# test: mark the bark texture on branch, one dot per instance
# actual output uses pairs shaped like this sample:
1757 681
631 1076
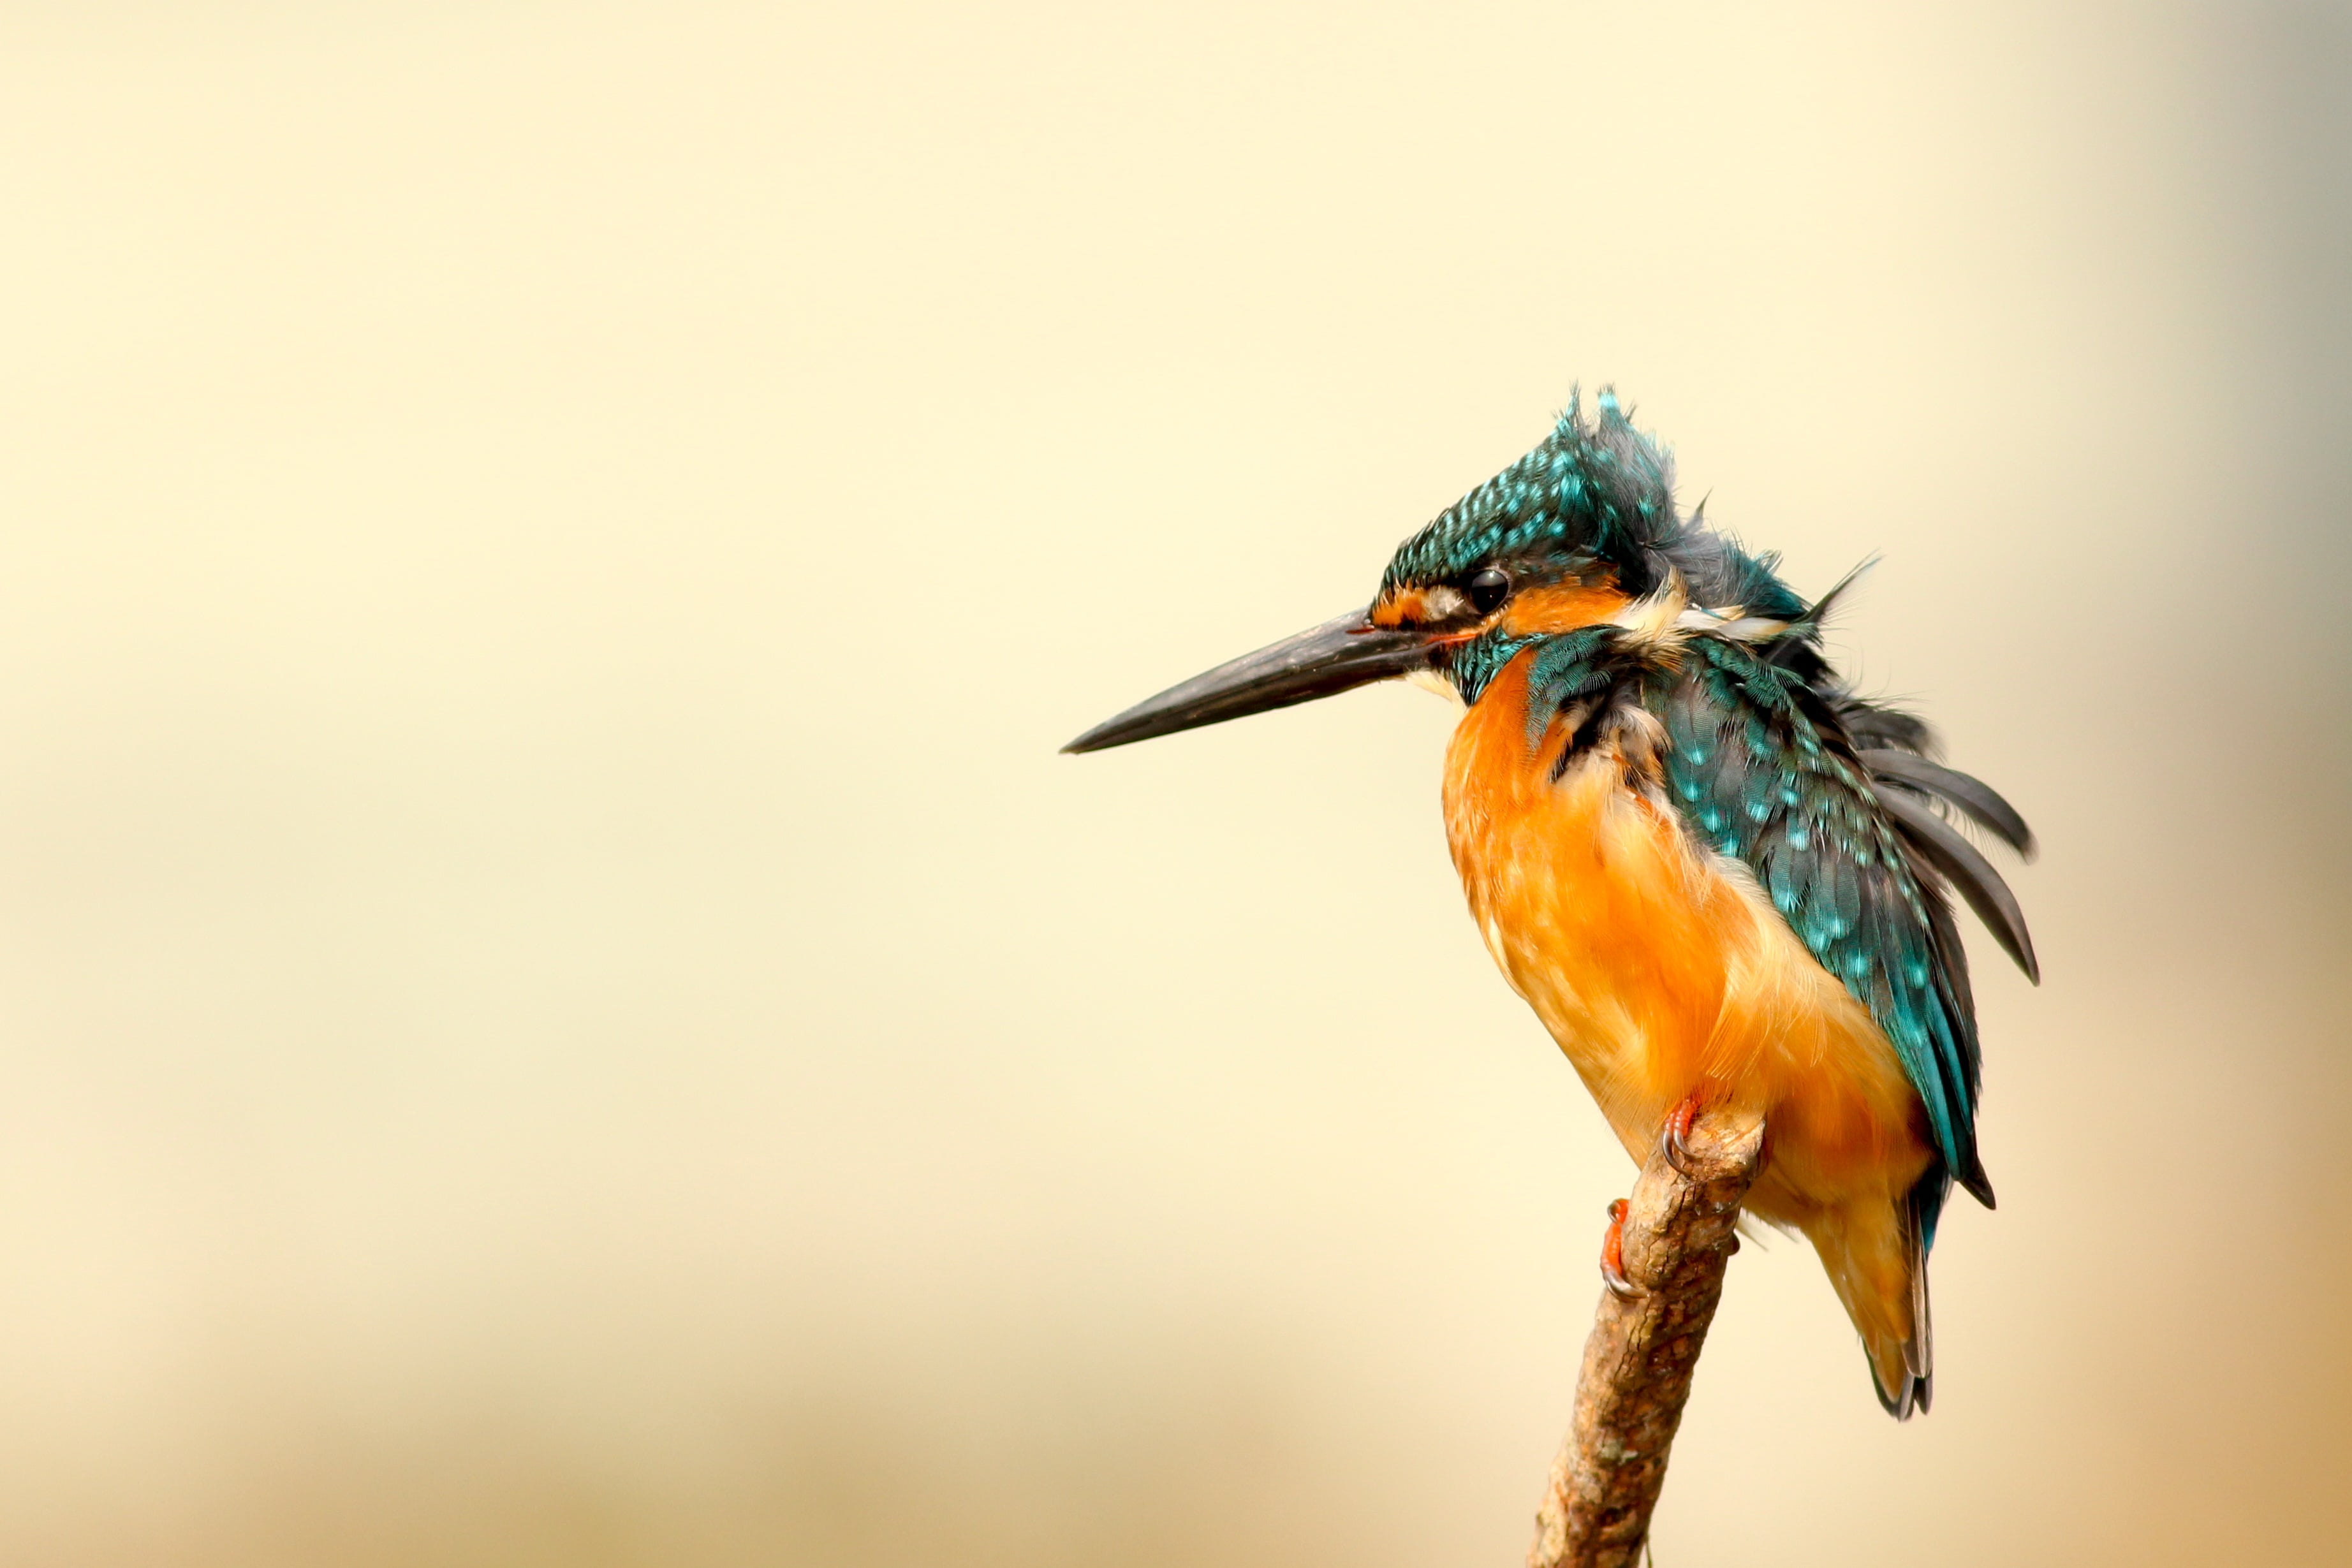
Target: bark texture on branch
1678 1235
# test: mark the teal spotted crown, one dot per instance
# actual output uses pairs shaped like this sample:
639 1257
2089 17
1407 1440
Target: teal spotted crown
1593 489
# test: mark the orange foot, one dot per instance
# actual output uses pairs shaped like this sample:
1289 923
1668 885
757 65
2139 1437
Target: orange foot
1674 1138
1612 1256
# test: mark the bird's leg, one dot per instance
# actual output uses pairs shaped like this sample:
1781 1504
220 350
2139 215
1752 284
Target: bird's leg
1674 1138
1612 1256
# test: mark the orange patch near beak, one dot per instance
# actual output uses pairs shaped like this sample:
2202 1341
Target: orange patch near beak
1405 607
1546 611
1561 607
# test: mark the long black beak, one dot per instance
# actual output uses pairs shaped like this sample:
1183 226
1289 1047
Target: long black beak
1336 656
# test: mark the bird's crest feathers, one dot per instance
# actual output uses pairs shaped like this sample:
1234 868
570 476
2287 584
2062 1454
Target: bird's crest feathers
1594 489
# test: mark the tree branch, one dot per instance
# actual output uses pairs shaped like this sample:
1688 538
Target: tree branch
1637 1371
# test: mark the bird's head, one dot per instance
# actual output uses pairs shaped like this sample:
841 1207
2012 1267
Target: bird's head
1563 537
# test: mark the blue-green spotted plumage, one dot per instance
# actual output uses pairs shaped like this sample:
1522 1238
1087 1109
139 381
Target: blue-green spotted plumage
1765 775
1598 490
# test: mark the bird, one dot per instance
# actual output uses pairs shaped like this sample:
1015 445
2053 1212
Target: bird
1720 875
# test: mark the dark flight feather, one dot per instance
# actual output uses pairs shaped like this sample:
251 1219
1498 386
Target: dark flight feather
1983 804
1970 873
1875 726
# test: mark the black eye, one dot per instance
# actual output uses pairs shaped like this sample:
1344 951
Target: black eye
1488 589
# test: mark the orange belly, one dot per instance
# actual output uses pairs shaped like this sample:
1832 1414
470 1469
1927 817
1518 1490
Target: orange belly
1663 972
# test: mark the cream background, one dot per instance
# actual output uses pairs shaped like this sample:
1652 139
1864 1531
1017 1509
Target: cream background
557 1005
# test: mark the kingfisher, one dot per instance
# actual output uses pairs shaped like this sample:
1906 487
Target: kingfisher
1719 875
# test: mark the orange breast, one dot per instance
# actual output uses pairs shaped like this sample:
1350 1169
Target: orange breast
1663 971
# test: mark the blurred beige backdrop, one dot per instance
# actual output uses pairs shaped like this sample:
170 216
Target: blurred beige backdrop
557 1005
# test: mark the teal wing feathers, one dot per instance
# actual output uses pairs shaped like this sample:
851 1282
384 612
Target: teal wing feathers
1763 772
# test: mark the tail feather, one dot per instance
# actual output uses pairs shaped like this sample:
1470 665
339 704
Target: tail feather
1918 1394
1876 1257
1915 1383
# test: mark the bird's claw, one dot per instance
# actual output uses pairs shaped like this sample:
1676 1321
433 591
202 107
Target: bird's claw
1674 1138
1612 1256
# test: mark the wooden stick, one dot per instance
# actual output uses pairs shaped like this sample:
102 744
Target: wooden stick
1678 1235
